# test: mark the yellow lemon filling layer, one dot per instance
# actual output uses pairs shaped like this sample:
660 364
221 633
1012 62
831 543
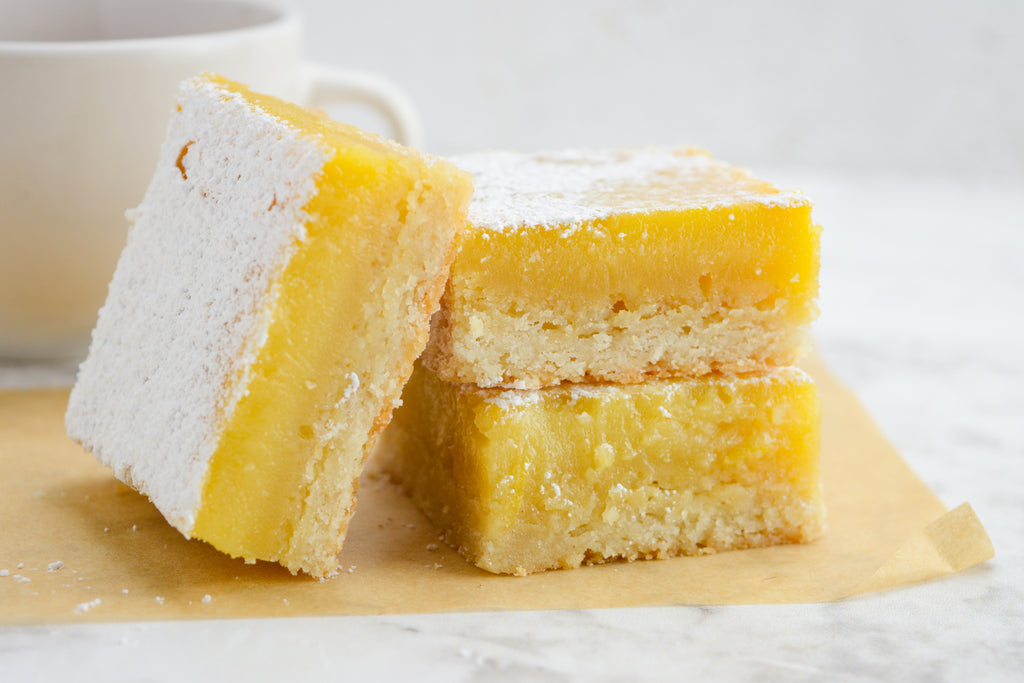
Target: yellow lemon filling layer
747 254
522 481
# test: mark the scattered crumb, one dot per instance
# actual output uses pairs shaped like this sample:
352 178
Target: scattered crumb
284 600
5 572
55 566
135 527
351 569
432 546
438 565
207 599
20 565
410 526
83 607
106 529
124 591
353 386
159 600
21 579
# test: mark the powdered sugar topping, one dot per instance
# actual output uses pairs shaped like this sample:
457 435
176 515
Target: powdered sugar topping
566 189
187 308
514 398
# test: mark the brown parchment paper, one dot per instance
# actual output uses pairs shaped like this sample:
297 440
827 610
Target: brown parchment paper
79 546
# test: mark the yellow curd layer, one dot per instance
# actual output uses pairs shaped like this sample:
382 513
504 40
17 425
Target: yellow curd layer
527 480
740 255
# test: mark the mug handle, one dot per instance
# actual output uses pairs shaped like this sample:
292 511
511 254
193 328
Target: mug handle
324 86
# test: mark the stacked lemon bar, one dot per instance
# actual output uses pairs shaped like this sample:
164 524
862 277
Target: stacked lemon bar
610 374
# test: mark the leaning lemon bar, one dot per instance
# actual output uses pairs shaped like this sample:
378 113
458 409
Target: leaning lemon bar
275 290
521 481
623 264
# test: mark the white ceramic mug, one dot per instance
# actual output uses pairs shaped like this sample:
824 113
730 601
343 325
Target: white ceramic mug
86 89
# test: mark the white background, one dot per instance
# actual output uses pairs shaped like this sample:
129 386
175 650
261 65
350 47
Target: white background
931 87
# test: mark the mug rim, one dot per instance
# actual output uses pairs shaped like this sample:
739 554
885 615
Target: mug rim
283 18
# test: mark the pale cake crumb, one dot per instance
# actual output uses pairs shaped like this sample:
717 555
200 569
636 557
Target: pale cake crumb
83 607
604 345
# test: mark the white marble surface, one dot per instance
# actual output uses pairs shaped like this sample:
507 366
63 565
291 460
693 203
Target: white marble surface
921 288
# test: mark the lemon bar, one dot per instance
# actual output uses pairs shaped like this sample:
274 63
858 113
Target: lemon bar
521 481
618 265
275 290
